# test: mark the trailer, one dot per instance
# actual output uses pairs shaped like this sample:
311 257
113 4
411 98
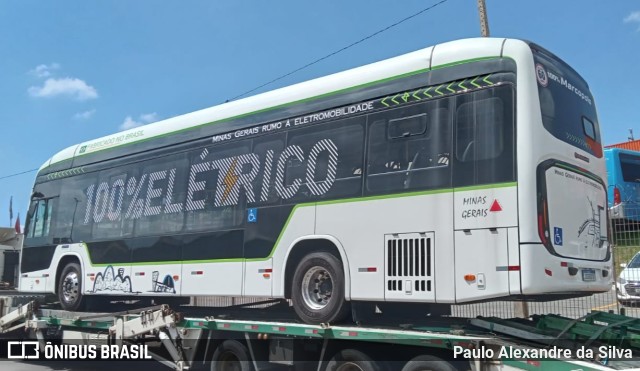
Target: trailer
240 338
10 246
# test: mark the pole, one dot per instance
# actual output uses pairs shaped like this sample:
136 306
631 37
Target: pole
521 309
11 212
484 22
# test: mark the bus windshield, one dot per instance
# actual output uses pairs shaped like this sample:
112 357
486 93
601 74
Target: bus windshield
568 109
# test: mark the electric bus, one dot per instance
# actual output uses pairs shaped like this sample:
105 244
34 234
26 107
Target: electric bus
464 172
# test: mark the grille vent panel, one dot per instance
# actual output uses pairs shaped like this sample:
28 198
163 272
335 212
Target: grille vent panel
409 265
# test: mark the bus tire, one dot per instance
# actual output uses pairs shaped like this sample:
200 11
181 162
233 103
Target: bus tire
426 362
231 355
317 289
70 287
354 358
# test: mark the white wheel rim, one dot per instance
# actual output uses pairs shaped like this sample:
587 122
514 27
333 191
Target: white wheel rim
70 287
317 288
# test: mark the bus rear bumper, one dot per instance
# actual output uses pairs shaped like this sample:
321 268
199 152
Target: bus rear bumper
543 273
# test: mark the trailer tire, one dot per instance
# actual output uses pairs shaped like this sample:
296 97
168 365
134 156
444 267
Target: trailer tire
231 355
354 358
426 362
319 275
70 287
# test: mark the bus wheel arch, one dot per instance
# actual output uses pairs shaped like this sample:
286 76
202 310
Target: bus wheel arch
69 283
316 278
304 246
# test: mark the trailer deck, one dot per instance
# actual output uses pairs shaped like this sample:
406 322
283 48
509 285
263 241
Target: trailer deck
186 338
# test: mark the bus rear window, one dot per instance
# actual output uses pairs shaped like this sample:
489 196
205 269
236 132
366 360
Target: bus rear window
630 166
568 109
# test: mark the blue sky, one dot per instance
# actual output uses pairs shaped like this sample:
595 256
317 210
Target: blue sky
75 70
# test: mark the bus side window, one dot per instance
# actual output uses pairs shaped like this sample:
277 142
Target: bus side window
156 217
479 125
75 211
335 168
216 209
268 148
409 148
294 169
484 148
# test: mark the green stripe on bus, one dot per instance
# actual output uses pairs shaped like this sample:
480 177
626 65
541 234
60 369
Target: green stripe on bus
299 206
344 90
486 186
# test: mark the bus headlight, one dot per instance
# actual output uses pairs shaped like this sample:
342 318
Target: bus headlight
621 280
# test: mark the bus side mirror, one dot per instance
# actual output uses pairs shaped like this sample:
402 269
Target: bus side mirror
623 265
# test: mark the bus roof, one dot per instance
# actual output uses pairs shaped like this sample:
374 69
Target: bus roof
622 150
421 60
633 145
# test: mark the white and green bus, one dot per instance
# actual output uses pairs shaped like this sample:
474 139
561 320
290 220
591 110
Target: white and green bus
466 171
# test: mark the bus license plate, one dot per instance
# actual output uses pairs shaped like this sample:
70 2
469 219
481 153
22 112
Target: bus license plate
588 274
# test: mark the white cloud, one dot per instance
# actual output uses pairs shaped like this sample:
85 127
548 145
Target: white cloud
44 70
149 117
632 17
129 123
68 86
84 115
143 119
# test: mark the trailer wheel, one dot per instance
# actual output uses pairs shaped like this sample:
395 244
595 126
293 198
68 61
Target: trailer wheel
428 363
231 355
317 290
353 360
70 287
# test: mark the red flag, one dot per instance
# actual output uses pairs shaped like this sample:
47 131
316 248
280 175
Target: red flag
18 224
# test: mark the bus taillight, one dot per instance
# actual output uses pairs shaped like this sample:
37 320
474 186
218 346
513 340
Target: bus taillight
542 225
616 196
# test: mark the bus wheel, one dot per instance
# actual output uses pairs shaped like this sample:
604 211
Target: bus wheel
353 360
231 355
70 287
424 362
318 289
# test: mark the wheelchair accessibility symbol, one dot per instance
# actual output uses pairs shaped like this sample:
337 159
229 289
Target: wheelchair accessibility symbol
557 236
252 215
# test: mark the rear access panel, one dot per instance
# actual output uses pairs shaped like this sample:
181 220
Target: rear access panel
481 264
